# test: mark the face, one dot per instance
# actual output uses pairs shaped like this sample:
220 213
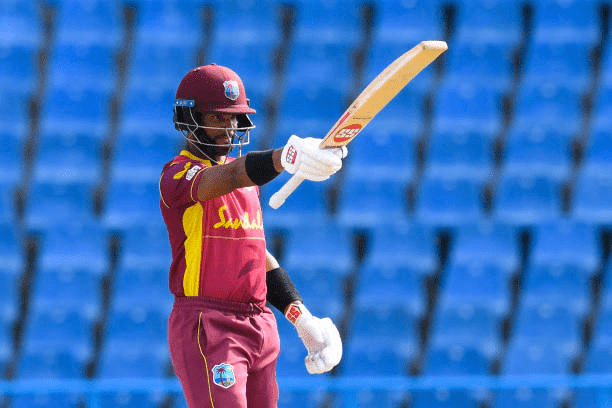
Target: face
227 125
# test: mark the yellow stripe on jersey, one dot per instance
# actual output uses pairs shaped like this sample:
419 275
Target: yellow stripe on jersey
192 225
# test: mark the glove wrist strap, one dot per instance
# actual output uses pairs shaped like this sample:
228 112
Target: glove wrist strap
295 311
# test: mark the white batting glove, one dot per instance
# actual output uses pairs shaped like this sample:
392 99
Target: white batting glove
304 158
320 336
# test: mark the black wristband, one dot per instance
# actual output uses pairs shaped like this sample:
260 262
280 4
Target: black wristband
259 166
281 290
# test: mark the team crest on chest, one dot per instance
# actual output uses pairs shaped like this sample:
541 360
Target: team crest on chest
231 90
223 375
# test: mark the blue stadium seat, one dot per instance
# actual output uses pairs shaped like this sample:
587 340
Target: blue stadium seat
398 245
537 152
365 356
467 326
71 202
591 398
535 358
68 158
310 201
60 329
22 22
49 365
145 109
381 156
484 286
72 110
12 248
602 109
370 399
565 285
404 113
290 362
327 22
486 242
497 22
15 109
529 398
443 398
467 106
566 21
132 400
321 287
170 23
18 67
82 244
591 198
71 288
385 323
602 327
309 102
525 200
299 399
367 203
145 285
598 153
82 66
156 253
44 400
243 21
566 241
598 359
159 148
320 245
479 61
550 324
130 203
171 64
464 154
11 164
135 343
567 64
396 285
400 21
91 22
252 59
321 65
456 360
448 202
549 104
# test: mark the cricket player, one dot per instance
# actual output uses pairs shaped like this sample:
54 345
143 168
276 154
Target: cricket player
223 338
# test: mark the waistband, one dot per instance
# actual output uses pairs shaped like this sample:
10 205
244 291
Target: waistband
194 302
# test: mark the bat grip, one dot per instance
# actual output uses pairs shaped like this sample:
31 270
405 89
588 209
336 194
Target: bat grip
285 191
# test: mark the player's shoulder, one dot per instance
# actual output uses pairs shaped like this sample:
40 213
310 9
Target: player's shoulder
186 157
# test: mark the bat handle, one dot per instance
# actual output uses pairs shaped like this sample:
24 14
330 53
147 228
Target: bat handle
285 191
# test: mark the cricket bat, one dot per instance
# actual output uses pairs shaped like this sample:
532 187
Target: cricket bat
369 102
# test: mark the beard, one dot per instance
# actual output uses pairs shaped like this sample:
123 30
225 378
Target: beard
209 147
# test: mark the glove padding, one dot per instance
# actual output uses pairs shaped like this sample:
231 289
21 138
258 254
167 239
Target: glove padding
322 340
305 159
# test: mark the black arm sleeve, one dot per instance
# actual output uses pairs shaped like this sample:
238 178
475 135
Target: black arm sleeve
281 290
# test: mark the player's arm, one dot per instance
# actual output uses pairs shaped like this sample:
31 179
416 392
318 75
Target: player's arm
299 156
320 336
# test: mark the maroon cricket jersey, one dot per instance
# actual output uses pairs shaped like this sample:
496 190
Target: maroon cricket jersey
218 246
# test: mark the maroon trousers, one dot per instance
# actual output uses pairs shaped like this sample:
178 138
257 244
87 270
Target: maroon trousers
224 353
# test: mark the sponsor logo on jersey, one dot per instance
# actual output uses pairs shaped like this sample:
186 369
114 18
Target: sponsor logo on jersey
192 172
245 222
231 90
223 375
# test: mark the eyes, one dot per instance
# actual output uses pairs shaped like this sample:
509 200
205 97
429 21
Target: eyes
222 118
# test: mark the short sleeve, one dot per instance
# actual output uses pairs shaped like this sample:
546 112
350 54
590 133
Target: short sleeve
178 184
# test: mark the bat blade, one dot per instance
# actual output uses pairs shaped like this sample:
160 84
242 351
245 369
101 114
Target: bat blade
370 101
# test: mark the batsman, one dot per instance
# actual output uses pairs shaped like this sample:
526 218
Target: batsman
222 336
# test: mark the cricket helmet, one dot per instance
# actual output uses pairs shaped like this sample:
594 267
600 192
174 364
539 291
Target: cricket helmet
212 89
